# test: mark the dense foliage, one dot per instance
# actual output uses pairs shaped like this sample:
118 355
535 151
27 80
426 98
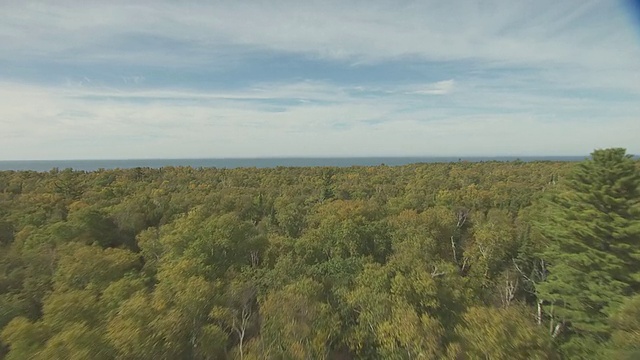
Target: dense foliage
453 260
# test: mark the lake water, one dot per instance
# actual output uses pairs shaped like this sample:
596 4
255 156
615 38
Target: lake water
90 165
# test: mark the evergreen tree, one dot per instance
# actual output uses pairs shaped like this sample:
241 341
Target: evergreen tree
593 231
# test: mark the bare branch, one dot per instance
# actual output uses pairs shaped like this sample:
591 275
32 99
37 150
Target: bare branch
522 272
453 246
462 218
558 329
436 273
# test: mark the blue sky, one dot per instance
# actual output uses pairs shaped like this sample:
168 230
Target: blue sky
167 79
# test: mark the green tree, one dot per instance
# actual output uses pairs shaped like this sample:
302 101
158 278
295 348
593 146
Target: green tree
508 333
592 226
24 338
296 325
625 338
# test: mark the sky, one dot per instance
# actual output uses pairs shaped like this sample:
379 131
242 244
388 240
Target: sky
220 79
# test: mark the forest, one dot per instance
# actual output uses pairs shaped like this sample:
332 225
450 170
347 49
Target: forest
487 260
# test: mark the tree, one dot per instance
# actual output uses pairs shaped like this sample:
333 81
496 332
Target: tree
592 226
295 324
239 317
405 335
489 333
24 338
625 339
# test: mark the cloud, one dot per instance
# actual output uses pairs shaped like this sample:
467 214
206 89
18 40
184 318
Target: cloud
207 79
45 122
439 88
571 32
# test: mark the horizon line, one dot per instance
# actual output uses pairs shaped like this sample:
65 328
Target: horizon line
307 157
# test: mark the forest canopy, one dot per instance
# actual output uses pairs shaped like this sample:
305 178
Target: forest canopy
499 260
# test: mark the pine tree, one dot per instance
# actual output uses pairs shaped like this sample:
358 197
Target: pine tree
593 231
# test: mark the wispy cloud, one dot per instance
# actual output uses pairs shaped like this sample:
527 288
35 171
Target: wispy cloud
512 31
162 78
439 88
48 123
